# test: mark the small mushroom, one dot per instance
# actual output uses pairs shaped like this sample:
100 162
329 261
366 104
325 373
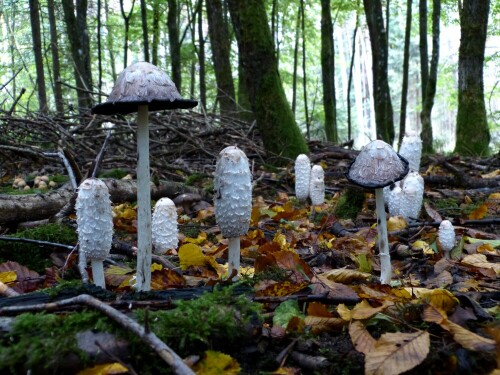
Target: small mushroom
142 87
317 185
233 200
411 150
446 234
412 196
164 226
186 201
94 217
378 165
302 177
394 194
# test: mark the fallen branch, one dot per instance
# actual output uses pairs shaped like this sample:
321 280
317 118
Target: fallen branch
162 349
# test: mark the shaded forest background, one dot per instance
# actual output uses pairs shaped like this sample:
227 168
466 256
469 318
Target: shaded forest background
68 56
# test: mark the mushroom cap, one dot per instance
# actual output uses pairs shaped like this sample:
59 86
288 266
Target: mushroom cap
446 235
317 185
411 150
377 165
139 84
164 226
302 176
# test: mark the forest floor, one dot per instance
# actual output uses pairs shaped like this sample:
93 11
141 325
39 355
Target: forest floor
309 300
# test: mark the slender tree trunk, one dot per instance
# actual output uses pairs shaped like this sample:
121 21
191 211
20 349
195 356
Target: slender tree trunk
295 63
473 135
275 120
304 71
430 88
328 72
406 66
175 45
424 53
54 49
201 56
110 43
221 48
37 49
126 20
156 31
76 29
381 94
349 83
99 49
145 36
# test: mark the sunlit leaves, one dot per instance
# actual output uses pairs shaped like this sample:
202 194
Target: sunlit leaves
105 369
216 363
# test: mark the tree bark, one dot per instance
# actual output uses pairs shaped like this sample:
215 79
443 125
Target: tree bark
175 45
77 32
281 135
56 66
126 20
295 63
328 72
37 49
156 32
221 48
304 71
424 53
381 94
473 136
430 90
201 56
406 65
349 83
145 35
110 43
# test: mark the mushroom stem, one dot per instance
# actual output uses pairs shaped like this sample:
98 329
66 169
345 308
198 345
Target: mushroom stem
233 257
98 273
144 242
383 245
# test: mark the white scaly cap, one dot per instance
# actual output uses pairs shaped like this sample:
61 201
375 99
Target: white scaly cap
302 176
317 185
164 226
411 150
446 235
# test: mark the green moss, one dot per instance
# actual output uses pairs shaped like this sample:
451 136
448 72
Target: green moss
350 204
34 256
114 173
214 320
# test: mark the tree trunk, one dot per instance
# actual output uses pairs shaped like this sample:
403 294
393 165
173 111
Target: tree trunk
37 49
221 48
156 32
201 56
54 49
145 36
244 104
328 72
430 89
126 20
381 94
473 136
99 49
175 45
110 43
424 53
349 83
76 28
406 65
281 135
304 71
295 63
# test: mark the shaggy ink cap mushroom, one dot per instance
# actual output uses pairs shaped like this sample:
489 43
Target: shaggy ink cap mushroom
143 83
142 88
376 166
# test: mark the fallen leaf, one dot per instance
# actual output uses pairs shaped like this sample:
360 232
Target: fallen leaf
217 363
105 369
165 279
494 243
191 255
8 277
364 310
433 214
395 353
361 339
319 324
283 288
396 223
346 276
479 213
492 174
479 260
318 309
469 340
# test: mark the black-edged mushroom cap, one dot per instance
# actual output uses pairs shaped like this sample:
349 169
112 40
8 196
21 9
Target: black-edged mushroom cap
139 84
377 165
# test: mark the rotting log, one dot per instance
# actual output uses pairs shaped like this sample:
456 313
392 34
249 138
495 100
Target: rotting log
16 209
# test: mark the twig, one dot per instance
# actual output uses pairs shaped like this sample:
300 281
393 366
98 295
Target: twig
37 242
163 350
7 291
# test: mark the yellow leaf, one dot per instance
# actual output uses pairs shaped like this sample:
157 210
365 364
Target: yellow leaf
494 196
363 310
361 339
395 353
469 340
280 239
217 363
344 312
105 369
396 223
424 246
479 260
156 267
191 255
346 276
8 277
202 237
441 299
493 174
320 324
479 213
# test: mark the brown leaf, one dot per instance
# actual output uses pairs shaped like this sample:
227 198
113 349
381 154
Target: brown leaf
479 213
361 339
283 288
320 324
395 353
27 280
165 279
363 310
469 340
346 276
318 309
432 213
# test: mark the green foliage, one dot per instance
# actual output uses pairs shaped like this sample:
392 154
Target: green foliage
34 256
350 204
286 311
116 173
215 319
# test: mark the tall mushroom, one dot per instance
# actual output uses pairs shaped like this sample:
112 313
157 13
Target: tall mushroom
233 200
164 226
302 176
94 217
378 165
142 87
317 185
411 150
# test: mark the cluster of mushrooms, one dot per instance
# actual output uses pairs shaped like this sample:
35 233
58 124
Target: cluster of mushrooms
142 88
